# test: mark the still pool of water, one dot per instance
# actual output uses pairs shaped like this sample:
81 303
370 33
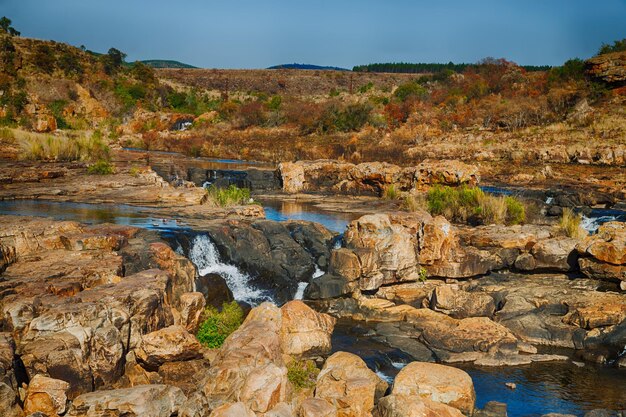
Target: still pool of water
542 388
86 213
294 210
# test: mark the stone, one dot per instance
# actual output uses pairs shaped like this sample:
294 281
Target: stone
439 383
170 344
143 400
305 332
556 254
607 245
8 402
46 395
398 405
460 304
237 409
265 387
191 307
609 67
316 407
214 289
349 385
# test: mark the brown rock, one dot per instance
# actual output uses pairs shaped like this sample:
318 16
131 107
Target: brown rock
46 395
237 409
607 245
191 307
349 385
461 304
439 383
397 405
305 332
169 344
316 407
608 67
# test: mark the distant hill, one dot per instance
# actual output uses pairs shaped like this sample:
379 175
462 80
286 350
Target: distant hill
307 67
165 63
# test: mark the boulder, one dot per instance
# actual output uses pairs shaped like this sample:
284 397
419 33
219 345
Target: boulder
8 402
214 289
191 307
305 332
349 385
609 67
316 407
461 304
556 254
140 401
398 405
237 409
265 387
439 383
607 245
46 395
170 344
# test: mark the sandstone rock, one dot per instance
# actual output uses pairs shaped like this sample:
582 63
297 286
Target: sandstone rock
7 256
608 67
397 405
594 268
305 332
316 407
45 123
187 375
46 395
557 254
347 384
328 286
607 245
191 308
461 304
264 387
8 402
237 409
169 344
214 289
144 400
439 383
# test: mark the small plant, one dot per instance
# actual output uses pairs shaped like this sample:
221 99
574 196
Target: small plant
414 202
570 224
7 135
391 192
302 374
423 275
231 196
515 211
134 171
101 167
218 325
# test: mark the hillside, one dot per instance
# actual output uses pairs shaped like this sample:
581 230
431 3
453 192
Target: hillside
307 67
165 63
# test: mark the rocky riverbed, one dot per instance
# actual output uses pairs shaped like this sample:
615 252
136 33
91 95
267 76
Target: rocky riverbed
99 318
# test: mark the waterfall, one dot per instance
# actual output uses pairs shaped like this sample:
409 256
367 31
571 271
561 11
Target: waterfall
302 285
205 256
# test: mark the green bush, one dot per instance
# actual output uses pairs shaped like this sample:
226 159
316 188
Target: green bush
101 167
231 196
572 69
391 192
56 108
464 203
618 46
302 374
410 90
218 325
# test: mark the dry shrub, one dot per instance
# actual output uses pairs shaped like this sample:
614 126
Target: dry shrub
571 225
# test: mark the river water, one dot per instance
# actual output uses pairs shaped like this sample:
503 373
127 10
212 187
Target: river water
563 387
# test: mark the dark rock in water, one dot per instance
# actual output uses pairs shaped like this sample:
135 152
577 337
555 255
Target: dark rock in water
492 409
315 238
215 290
328 286
604 413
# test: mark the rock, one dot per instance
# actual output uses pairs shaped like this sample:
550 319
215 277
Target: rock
281 410
237 409
461 304
511 385
170 344
191 308
8 402
250 362
7 256
46 395
557 254
607 245
328 286
187 375
143 400
398 405
349 385
45 123
305 332
316 407
492 409
609 67
439 383
594 268
214 289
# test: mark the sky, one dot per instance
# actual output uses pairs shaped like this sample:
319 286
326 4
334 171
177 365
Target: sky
343 33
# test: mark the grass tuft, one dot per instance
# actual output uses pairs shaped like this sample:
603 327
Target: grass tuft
63 148
570 224
101 167
391 192
218 325
302 374
231 196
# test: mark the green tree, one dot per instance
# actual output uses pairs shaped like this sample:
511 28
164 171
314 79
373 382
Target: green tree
5 26
44 59
113 60
618 46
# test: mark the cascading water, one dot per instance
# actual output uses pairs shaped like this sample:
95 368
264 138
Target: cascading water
205 256
302 285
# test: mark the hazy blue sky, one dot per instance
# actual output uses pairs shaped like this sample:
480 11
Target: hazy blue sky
260 33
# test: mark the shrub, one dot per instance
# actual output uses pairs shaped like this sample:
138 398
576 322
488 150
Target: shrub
43 59
302 374
570 224
218 325
70 64
63 148
56 108
464 203
391 192
101 167
410 90
231 196
7 135
617 46
423 275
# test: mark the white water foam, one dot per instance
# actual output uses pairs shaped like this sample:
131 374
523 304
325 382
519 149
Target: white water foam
302 285
549 200
398 365
205 256
591 224
384 377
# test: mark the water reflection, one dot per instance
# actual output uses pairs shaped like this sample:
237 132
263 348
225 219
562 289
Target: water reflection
294 210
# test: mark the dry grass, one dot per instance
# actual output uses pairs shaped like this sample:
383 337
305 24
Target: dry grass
36 147
570 224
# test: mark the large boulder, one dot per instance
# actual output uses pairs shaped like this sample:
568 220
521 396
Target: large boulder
316 407
460 304
398 405
439 383
349 385
237 409
170 344
603 255
140 401
608 67
305 332
46 395
556 254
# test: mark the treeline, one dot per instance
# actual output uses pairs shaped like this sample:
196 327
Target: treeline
421 68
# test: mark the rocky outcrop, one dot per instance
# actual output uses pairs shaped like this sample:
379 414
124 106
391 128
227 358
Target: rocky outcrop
304 332
349 385
608 67
439 383
143 400
371 178
46 395
396 405
603 255
170 344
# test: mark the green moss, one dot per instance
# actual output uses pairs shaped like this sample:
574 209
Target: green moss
218 325
302 374
101 167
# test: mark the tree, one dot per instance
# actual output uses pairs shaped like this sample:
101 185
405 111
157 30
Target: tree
113 60
43 59
5 26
